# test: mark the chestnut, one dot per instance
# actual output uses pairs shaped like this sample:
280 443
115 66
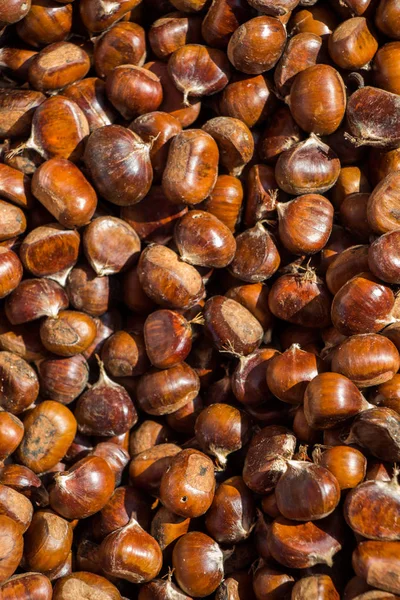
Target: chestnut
231 516
248 380
319 587
254 297
249 99
90 95
311 113
221 21
166 527
15 186
17 108
198 564
83 490
123 504
50 250
63 190
257 45
168 338
196 152
187 487
123 43
385 67
10 271
158 589
69 333
367 359
377 430
148 467
124 354
172 31
352 261
301 52
89 292
131 553
382 259
378 564
168 281
119 163
11 433
147 435
347 464
15 505
133 90
351 180
256 257
12 547
225 200
234 140
209 72
42 448
352 45
48 541
266 458
81 583
382 205
13 221
36 585
19 383
330 399
48 71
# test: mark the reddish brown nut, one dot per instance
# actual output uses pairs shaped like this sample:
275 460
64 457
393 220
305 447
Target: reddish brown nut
89 292
13 221
50 429
301 52
133 90
256 258
124 43
84 489
124 354
377 430
249 99
15 186
248 380
97 16
350 262
167 280
225 200
234 140
382 257
147 435
126 502
47 542
148 467
378 564
90 95
19 383
57 66
69 333
254 297
10 271
352 45
172 31
38 587
50 250
11 434
221 20
46 23
62 189
12 547
17 108
347 464
195 152
168 338
320 587
63 379
81 584
35 298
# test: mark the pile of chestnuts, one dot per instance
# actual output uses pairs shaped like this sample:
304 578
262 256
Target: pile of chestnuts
199 299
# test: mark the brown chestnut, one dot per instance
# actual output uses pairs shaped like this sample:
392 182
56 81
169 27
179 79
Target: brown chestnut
48 542
69 333
168 338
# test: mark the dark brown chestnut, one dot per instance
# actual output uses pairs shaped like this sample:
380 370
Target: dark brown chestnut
168 338
256 258
63 379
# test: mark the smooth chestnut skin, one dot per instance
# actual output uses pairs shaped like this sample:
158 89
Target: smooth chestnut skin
380 499
89 292
123 44
315 213
345 266
166 527
203 240
257 45
11 547
17 108
262 194
62 379
173 31
99 16
195 153
387 18
124 354
383 260
231 515
249 99
302 545
123 504
222 20
387 394
35 298
347 464
198 564
270 582
161 392
222 429
353 215
115 456
302 299
309 167
80 584
280 134
15 186
288 374
386 70
301 52
63 190
48 542
351 180
13 221
383 205
11 271
69 333
11 433
362 305
187 487
377 430
168 338
320 587
59 128
110 245
133 90
317 19
168 281
267 457
248 380
225 200
49 250
19 383
84 489
46 23
378 564
50 429
307 492
57 66
231 326
330 399
23 340
148 467
311 110
119 164
36 585
131 553
367 359
352 45
90 95
256 258
209 72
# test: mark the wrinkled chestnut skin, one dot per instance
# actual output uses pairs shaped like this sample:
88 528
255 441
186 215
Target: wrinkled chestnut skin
231 326
187 487
195 153
311 112
379 564
119 163
266 458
